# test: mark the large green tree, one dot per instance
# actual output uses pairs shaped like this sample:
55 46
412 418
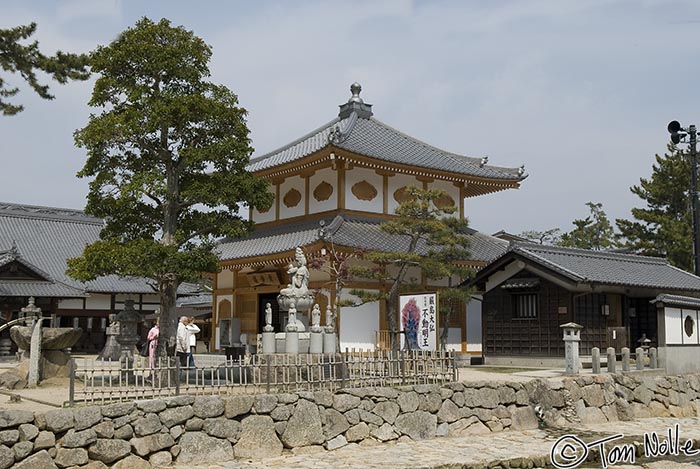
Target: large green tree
664 226
167 156
26 60
593 232
437 243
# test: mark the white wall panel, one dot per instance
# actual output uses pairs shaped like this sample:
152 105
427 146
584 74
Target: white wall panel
292 183
329 176
357 175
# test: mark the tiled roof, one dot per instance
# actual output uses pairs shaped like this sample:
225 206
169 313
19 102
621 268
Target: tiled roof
371 137
47 237
609 268
677 300
40 288
347 231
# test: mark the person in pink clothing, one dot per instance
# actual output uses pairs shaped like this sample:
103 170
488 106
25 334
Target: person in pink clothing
152 344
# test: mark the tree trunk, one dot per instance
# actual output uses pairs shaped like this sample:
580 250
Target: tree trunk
167 320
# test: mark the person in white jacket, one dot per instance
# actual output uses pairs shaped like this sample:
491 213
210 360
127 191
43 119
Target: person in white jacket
182 345
192 330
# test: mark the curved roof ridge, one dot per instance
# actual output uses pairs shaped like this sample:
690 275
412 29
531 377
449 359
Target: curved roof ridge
546 261
591 253
299 140
69 215
462 158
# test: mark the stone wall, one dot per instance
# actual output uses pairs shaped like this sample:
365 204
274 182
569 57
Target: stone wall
188 429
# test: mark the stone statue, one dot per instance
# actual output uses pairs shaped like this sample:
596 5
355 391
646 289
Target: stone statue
298 276
268 318
292 318
316 318
329 319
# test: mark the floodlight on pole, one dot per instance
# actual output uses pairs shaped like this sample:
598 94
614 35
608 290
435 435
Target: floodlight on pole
678 133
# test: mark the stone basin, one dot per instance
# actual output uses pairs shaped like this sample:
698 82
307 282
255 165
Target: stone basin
52 338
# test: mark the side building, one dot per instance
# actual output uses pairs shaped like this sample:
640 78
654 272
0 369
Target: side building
35 244
332 189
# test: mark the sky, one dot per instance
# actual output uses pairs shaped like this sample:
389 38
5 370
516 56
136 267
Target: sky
580 92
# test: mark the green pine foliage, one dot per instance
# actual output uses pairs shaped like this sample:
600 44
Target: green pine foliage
593 232
25 60
166 158
423 225
664 227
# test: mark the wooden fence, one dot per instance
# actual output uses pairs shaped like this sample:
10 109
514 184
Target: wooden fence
101 382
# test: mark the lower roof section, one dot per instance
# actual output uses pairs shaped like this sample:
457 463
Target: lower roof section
274 244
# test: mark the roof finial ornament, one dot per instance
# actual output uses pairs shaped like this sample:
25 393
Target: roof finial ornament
521 170
355 89
483 161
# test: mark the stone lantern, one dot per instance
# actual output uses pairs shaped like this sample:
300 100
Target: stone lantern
127 338
572 336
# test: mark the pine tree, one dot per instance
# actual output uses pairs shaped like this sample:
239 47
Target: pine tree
26 60
664 227
167 157
593 232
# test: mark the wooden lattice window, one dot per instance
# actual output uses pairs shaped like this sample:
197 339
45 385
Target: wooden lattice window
525 305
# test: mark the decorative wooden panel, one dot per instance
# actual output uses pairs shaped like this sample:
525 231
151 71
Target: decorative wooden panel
401 195
323 191
363 190
444 201
292 198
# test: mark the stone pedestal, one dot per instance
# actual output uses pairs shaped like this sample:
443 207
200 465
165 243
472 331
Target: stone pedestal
329 342
316 342
292 343
268 342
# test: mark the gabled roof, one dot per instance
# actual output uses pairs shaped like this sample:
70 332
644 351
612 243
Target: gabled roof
677 300
47 237
344 230
356 131
598 267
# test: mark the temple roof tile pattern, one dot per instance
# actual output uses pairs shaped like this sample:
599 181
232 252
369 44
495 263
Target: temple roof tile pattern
586 266
46 237
344 230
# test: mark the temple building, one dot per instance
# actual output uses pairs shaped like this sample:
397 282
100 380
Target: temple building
333 188
35 244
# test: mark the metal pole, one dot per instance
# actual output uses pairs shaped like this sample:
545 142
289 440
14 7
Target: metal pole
692 133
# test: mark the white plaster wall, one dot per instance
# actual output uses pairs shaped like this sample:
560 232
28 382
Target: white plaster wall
298 183
224 279
356 175
271 214
97 301
329 176
474 324
396 182
358 325
71 304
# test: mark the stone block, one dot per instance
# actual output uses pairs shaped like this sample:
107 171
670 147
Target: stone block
9 437
336 442
265 403
104 429
281 412
387 410
195 424
22 449
86 417
145 445
44 440
449 412
118 409
417 425
59 420
200 448
176 415
206 407
132 462
324 398
73 439
258 438
223 428
147 425
304 426
524 418
335 424
408 401
384 433
179 401
125 432
237 405
71 457
430 402
152 406
160 459
109 451
344 402
37 460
